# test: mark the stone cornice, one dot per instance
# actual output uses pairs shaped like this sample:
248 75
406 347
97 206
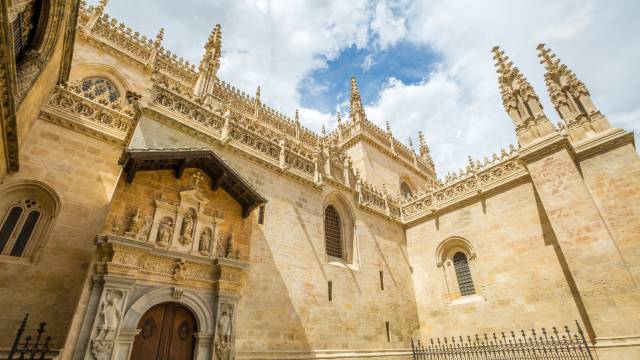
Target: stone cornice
545 146
603 142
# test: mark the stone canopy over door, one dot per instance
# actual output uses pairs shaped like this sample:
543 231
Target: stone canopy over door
167 332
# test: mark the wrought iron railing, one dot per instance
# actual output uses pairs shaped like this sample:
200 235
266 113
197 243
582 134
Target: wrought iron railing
539 345
30 348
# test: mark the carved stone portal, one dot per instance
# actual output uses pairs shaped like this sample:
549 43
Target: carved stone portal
108 322
224 332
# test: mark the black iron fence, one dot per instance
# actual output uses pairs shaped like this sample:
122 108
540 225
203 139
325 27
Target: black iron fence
538 345
30 348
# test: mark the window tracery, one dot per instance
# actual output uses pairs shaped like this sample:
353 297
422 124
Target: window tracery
26 212
94 87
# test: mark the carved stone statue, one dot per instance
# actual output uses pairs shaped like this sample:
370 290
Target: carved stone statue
224 331
179 269
186 230
109 315
164 231
143 234
134 224
228 251
205 242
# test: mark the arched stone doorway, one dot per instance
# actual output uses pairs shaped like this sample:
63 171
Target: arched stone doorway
168 331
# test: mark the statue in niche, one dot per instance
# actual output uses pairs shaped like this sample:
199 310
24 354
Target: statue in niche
205 242
186 230
134 224
224 331
109 315
228 251
143 234
164 231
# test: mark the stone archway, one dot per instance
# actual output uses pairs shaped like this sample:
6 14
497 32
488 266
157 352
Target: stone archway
187 298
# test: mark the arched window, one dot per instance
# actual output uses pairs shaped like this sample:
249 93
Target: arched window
463 274
405 190
96 86
333 232
457 258
26 212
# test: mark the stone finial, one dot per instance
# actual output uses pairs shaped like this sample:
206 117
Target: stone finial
323 131
388 126
258 94
297 118
212 51
411 144
356 110
422 144
158 41
210 63
570 97
520 101
339 118
102 4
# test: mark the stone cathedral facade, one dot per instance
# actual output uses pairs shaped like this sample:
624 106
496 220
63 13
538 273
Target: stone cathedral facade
150 210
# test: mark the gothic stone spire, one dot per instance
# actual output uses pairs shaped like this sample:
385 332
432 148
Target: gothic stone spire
210 63
520 101
356 110
158 41
570 97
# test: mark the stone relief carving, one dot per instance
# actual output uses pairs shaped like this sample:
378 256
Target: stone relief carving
179 269
204 247
177 293
138 226
186 231
108 322
224 332
165 229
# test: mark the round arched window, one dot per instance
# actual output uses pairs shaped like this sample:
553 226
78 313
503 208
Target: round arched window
96 86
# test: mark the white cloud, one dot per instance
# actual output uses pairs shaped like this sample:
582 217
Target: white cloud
367 63
275 44
389 28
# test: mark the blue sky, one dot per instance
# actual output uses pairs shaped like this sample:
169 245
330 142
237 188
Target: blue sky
327 88
430 70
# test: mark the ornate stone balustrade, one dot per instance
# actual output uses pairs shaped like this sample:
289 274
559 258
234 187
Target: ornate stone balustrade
478 178
85 110
348 134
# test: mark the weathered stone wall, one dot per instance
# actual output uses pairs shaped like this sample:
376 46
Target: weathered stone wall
613 179
83 172
285 303
518 272
90 60
379 169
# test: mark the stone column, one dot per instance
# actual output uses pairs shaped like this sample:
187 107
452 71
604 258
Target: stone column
228 284
605 285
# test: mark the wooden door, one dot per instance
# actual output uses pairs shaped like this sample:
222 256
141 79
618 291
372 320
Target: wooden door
167 334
